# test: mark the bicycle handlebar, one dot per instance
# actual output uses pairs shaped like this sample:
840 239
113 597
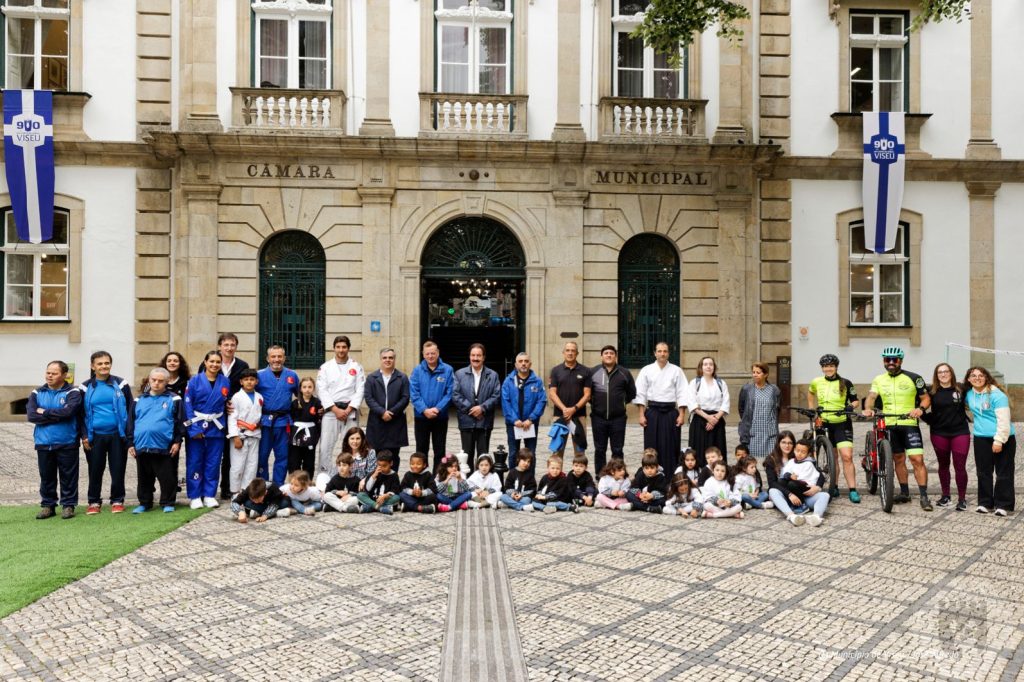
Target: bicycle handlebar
807 412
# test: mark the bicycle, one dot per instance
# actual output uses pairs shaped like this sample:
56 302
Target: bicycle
824 453
878 460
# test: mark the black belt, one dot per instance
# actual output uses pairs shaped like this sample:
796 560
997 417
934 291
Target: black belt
671 406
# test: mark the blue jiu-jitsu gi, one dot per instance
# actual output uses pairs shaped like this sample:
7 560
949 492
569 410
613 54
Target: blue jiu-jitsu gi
204 416
276 422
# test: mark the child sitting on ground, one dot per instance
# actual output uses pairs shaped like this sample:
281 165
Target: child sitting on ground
713 455
304 498
519 484
683 500
340 492
719 499
380 489
553 493
484 484
803 481
581 483
613 486
419 493
688 465
244 431
649 485
748 484
259 500
452 489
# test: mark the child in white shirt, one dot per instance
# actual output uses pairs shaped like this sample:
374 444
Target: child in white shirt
484 484
613 486
244 432
747 482
303 497
718 497
683 499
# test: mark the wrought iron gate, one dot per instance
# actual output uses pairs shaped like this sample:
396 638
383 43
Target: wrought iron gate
648 299
292 288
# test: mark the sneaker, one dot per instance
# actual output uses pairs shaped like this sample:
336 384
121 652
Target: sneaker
901 498
655 509
116 508
943 501
45 513
473 504
833 492
168 508
625 507
746 506
768 504
926 504
68 512
211 502
485 505
550 509
794 519
982 509
574 508
428 509
464 506
501 505
1000 512
140 509
93 509
528 508
196 504
854 497
284 513
443 508
387 510
813 520
225 495
961 505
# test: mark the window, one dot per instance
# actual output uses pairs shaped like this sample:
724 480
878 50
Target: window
879 52
878 281
36 44
638 70
648 299
474 46
292 44
35 276
292 296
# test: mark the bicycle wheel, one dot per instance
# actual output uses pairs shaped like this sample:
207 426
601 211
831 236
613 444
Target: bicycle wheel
826 457
886 474
869 474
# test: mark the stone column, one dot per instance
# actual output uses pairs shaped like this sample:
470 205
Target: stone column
565 269
195 256
377 120
981 145
737 311
198 66
733 88
405 306
377 275
982 197
567 125
536 305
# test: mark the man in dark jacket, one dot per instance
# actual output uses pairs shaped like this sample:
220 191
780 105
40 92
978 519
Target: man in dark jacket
386 394
613 389
53 408
476 395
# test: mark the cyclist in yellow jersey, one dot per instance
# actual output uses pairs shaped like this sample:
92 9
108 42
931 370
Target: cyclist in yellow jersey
832 392
903 392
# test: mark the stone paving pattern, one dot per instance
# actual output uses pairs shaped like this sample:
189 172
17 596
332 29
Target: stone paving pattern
600 595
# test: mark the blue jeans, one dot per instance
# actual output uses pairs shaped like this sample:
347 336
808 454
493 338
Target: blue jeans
819 502
756 502
516 504
560 506
454 502
413 503
301 507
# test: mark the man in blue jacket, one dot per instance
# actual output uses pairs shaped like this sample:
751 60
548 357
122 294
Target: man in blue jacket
476 395
53 408
431 387
523 399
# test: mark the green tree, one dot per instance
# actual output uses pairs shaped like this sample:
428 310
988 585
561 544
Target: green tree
670 25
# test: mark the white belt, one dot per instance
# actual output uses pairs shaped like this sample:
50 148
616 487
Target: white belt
303 426
206 419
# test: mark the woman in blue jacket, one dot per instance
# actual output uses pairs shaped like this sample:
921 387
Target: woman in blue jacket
476 395
523 398
106 400
205 416
53 408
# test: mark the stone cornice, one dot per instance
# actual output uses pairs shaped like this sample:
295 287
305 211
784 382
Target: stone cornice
919 170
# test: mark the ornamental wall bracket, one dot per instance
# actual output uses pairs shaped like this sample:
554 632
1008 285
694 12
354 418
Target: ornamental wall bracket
833 11
291 7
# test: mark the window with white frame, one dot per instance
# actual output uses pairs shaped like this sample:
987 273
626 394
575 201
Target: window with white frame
292 44
879 281
639 70
35 276
36 44
474 46
879 50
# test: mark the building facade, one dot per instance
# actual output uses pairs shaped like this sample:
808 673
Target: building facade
520 172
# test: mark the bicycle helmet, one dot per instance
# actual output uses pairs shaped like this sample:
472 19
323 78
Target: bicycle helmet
828 359
892 352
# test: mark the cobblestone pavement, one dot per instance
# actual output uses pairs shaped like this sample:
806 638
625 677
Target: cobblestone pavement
599 595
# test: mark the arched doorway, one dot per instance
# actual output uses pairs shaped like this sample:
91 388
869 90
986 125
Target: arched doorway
292 287
473 290
648 299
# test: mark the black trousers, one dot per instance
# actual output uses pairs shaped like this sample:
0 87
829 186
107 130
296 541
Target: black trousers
999 496
157 466
578 438
431 432
104 447
225 470
475 442
662 434
54 464
605 431
701 439
302 458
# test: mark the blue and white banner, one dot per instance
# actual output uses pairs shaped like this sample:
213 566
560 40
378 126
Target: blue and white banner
885 154
28 154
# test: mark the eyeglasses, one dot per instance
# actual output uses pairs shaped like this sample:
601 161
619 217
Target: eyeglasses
975 376
943 371
891 359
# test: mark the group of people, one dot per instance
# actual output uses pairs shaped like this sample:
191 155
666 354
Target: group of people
233 418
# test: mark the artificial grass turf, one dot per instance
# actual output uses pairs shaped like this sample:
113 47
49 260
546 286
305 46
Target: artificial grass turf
40 556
